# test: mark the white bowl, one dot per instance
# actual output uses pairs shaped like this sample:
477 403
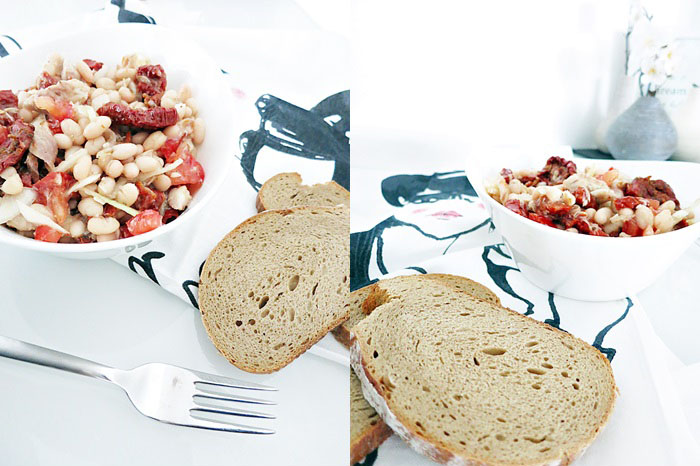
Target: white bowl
184 62
578 266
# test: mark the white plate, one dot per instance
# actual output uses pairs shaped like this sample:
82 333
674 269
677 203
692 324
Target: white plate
185 63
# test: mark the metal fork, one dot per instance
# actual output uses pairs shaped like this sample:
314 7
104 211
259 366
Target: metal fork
160 391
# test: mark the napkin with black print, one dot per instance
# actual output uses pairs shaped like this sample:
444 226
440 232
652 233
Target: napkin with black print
432 222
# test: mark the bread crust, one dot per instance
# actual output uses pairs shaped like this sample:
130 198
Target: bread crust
432 450
369 441
311 341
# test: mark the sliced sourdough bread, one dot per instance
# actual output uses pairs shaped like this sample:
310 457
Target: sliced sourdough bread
286 190
358 297
367 430
276 285
468 382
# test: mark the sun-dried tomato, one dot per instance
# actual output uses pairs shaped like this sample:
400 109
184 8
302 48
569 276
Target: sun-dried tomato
629 202
3 134
26 178
16 143
108 210
556 170
51 191
170 215
93 65
7 99
682 224
144 222
651 189
148 198
584 198
546 207
152 118
507 174
541 219
631 227
54 125
124 232
47 234
516 206
151 81
46 80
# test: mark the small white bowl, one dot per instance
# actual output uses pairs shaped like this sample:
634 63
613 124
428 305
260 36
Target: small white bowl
579 266
185 63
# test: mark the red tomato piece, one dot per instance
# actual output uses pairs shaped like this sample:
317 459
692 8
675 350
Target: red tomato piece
541 219
189 172
7 99
148 198
632 228
516 206
145 221
630 202
169 149
61 110
93 64
3 134
52 193
124 232
47 234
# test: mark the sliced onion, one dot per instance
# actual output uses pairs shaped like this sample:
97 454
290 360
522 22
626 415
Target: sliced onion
160 171
37 218
70 161
105 200
9 205
82 183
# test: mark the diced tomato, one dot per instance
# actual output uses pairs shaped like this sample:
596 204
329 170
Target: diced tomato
109 210
61 110
54 125
3 133
170 215
632 228
93 64
190 172
630 202
124 232
148 198
145 221
169 149
52 193
7 99
47 234
584 198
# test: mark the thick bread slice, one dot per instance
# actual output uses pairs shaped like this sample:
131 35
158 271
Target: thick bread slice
467 382
367 430
276 285
285 190
357 298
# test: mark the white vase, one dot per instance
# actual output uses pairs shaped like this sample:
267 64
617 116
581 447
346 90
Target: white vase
626 93
687 121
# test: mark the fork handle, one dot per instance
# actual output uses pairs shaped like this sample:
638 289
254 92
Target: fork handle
27 352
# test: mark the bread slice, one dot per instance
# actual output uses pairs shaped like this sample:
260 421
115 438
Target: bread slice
467 382
357 298
367 430
276 285
285 190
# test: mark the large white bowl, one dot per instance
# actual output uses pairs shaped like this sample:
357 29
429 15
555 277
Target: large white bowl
184 62
579 266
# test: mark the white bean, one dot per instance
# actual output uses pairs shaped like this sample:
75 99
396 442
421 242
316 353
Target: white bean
668 205
179 198
139 137
106 186
625 213
663 221
167 102
602 216
114 169
94 130
185 93
124 151
644 216
131 171
63 141
126 94
154 141
93 146
95 169
192 104
99 101
12 185
76 228
162 182
102 225
199 131
147 163
105 83
81 169
90 207
8 172
85 71
73 130
114 96
590 213
128 194
173 132
109 237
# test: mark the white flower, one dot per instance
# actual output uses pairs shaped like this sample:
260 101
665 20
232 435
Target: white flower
668 58
653 73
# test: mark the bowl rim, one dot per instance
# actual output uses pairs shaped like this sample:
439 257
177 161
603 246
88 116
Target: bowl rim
226 101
